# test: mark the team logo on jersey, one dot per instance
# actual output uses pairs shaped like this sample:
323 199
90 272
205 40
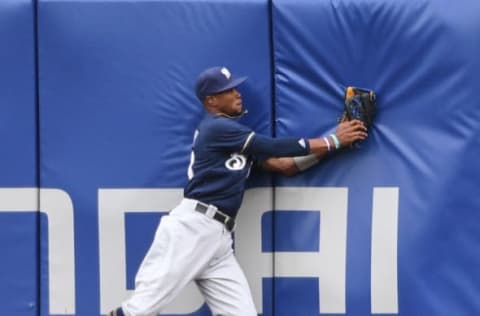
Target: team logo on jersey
236 162
302 143
226 73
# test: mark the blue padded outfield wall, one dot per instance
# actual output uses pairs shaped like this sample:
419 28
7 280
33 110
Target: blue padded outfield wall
97 114
117 117
19 236
407 242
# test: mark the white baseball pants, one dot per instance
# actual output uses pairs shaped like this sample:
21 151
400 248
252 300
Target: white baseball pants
189 245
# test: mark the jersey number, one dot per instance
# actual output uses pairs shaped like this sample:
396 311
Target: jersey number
236 162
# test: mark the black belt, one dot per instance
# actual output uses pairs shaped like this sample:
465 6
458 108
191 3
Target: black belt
228 221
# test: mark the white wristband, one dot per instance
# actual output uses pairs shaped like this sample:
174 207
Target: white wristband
327 142
336 141
305 162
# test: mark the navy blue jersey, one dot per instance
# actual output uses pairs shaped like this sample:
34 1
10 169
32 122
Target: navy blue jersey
222 154
218 167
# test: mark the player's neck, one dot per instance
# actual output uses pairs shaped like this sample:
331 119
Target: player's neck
236 116
217 111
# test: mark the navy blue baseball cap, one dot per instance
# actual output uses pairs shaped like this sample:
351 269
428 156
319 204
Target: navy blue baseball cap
215 80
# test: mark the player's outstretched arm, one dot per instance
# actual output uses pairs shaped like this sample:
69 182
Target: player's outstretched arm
347 132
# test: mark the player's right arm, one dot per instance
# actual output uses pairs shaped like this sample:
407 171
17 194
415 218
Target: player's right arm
283 165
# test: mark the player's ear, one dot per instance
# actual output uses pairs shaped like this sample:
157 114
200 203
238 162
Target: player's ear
210 100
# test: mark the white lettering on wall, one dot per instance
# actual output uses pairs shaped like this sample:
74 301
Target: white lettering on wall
58 207
328 264
112 206
384 279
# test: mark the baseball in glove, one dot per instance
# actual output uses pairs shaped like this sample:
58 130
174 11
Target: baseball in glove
360 104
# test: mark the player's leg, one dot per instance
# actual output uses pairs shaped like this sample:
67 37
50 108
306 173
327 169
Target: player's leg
181 248
116 312
225 288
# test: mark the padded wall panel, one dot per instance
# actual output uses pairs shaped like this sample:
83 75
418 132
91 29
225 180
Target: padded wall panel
118 113
18 160
411 189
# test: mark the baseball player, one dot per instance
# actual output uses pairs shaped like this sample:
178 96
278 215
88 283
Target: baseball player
194 241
